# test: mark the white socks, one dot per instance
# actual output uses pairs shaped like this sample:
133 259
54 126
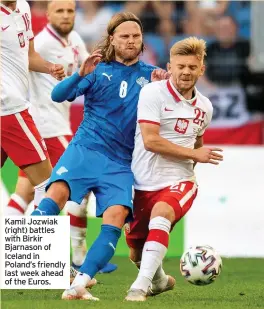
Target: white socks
154 251
40 192
16 206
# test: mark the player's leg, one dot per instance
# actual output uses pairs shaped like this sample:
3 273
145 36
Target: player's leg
170 207
22 142
21 198
114 203
68 181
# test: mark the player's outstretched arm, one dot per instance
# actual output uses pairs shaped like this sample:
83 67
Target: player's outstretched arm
67 90
155 143
38 64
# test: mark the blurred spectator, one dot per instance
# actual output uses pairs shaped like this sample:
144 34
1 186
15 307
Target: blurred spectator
201 16
226 73
227 57
159 19
38 14
91 21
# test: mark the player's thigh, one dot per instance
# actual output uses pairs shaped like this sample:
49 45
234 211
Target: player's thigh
24 189
115 187
38 172
180 197
136 232
56 147
79 168
21 140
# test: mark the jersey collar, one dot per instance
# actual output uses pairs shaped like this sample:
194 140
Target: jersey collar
55 34
178 97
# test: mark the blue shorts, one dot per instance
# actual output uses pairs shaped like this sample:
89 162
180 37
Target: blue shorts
86 170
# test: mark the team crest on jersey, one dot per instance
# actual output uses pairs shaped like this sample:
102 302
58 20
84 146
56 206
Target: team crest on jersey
181 125
21 39
142 81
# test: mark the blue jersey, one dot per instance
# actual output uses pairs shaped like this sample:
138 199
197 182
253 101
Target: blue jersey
111 94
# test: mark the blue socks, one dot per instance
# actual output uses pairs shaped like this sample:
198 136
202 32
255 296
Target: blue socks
102 250
47 207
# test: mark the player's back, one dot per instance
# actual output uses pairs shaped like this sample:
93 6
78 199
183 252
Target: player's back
15 36
111 108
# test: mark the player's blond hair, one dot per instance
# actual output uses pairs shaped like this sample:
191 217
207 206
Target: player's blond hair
107 49
189 46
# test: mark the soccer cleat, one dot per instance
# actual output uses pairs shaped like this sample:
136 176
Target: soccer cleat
136 295
157 288
109 267
78 292
74 272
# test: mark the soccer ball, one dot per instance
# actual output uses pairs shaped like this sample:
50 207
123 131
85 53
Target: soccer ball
200 265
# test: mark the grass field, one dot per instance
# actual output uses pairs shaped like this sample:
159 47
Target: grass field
241 285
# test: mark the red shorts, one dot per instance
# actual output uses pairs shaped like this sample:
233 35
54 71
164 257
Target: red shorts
56 147
20 140
180 197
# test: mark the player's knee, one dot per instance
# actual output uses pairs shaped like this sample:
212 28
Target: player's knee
59 192
163 209
116 215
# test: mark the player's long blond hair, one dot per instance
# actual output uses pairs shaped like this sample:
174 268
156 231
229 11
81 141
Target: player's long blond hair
107 49
189 46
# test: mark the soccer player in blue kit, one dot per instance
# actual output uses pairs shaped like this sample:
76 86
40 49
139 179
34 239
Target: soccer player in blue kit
99 157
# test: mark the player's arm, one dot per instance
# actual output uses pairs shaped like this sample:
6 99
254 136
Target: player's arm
198 144
149 111
38 64
77 84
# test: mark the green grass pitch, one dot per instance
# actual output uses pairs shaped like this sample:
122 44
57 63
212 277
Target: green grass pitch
240 285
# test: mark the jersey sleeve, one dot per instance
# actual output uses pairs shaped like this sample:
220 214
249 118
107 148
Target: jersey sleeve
148 106
208 119
29 31
83 53
72 87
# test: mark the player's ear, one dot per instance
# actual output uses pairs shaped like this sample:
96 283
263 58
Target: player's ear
202 70
168 67
111 38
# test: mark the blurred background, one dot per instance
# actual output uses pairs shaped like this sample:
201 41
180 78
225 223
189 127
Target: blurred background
231 202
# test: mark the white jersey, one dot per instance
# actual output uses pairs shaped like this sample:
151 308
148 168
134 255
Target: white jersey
53 119
180 121
16 32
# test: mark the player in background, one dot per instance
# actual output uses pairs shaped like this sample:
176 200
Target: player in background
172 118
57 42
20 139
110 81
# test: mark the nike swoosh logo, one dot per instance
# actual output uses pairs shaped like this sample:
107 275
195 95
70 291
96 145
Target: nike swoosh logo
59 56
4 28
151 250
168 110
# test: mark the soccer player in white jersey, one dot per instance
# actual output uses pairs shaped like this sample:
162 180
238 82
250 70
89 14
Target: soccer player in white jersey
57 42
172 118
20 139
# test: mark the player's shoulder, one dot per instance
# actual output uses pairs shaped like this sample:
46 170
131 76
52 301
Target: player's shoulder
154 88
147 67
23 6
74 37
204 101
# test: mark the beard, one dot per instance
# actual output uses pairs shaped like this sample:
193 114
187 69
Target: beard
128 55
63 31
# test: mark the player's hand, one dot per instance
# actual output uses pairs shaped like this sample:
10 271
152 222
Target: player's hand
208 155
90 63
57 71
159 74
